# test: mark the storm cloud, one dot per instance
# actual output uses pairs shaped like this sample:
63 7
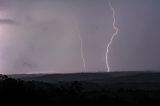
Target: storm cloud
42 36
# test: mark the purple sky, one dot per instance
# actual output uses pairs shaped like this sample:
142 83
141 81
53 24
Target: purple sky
41 36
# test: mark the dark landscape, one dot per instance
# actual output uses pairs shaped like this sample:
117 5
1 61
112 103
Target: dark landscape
96 89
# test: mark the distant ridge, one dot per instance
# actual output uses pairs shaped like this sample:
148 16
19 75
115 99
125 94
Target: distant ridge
133 76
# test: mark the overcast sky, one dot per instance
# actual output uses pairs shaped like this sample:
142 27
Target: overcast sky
41 36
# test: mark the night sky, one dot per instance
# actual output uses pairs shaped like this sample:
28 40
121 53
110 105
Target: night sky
42 36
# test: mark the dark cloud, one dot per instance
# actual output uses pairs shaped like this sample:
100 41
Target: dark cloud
8 21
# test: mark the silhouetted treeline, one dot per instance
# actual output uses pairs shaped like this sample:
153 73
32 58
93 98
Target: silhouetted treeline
19 92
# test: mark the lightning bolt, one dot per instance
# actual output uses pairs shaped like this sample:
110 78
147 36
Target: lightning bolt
81 48
112 37
82 53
